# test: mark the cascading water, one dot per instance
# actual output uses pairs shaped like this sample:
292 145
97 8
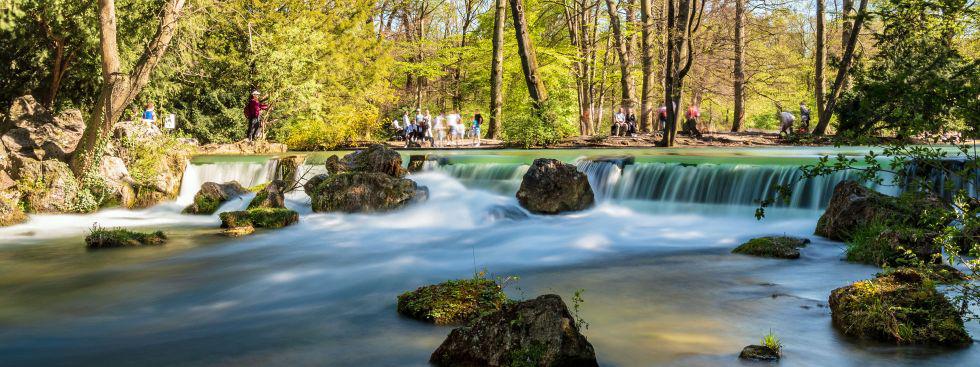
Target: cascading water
248 174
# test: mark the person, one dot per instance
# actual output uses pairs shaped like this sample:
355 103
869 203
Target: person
786 120
662 117
440 127
253 112
451 123
425 133
691 126
477 122
399 131
411 133
631 124
804 118
619 123
149 115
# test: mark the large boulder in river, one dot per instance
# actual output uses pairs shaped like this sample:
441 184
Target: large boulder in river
101 238
273 195
552 187
32 131
120 186
259 218
780 247
853 206
538 332
452 302
359 192
312 182
375 158
212 195
902 307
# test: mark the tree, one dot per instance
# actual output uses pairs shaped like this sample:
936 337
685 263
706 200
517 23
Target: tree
820 60
739 71
497 69
646 61
842 71
624 51
529 60
581 18
118 88
683 21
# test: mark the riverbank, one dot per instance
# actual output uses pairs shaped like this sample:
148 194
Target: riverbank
719 139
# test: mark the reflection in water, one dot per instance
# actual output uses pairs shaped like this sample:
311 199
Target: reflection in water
660 286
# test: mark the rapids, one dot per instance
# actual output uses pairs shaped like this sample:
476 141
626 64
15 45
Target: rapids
660 287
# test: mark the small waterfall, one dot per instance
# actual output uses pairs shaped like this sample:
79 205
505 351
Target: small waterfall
246 173
946 178
498 177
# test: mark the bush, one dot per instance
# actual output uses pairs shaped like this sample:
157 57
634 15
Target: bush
546 127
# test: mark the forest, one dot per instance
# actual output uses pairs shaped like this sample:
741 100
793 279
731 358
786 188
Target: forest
337 72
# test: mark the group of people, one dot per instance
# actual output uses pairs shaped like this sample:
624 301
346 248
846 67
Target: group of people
439 131
149 116
786 120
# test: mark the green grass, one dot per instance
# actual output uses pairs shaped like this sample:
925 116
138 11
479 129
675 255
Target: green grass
771 341
100 237
259 218
452 302
774 246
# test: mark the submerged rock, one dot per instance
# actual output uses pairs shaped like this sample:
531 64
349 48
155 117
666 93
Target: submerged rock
853 206
259 218
901 307
357 192
238 231
212 195
538 332
101 238
759 353
782 247
273 195
452 302
552 187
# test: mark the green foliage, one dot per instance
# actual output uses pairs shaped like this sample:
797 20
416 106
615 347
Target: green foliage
577 302
454 301
773 246
867 246
100 237
771 341
259 218
536 128
145 157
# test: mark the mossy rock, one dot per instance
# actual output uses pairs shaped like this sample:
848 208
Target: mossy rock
759 353
259 218
209 198
853 206
781 247
453 302
10 209
901 307
100 238
893 245
273 195
357 192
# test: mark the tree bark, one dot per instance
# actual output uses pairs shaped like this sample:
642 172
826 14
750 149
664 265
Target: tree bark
821 61
529 61
683 21
625 57
843 70
497 70
119 89
646 62
739 72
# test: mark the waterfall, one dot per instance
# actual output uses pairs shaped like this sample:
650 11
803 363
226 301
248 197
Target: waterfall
248 174
499 177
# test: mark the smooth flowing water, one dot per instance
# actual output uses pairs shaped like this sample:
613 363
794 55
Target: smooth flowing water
660 286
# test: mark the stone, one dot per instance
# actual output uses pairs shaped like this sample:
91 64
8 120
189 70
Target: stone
313 182
358 192
453 302
335 166
902 307
781 247
259 218
537 332
10 211
47 186
209 198
244 147
759 353
416 162
853 206
101 238
553 187
375 158
238 231
273 195
120 185
136 130
34 132
288 170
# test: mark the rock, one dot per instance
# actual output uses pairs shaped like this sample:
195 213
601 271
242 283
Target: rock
538 332
356 192
273 195
452 302
48 186
898 245
120 185
101 238
375 158
759 353
781 247
287 169
853 206
137 130
313 182
157 165
6 182
244 147
902 307
34 132
259 218
10 211
211 195
416 162
238 231
335 166
552 187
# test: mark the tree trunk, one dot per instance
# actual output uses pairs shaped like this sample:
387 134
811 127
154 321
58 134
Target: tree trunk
529 62
497 70
821 60
843 70
646 61
739 72
625 58
683 21
58 68
118 89
847 11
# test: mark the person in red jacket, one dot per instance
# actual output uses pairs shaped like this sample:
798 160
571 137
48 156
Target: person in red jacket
253 112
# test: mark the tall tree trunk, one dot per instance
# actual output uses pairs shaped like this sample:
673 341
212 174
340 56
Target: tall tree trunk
646 61
497 70
842 71
529 62
821 61
58 68
625 58
847 12
739 72
684 19
119 89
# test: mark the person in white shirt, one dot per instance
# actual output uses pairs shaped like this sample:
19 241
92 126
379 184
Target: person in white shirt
619 123
452 120
440 129
399 132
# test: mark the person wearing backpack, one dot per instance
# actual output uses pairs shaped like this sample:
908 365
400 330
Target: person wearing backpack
253 114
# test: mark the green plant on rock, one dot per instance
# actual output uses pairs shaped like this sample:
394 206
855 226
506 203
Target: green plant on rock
99 238
771 341
453 302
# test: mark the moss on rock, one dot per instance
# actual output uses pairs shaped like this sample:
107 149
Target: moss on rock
452 302
782 247
900 307
259 218
100 238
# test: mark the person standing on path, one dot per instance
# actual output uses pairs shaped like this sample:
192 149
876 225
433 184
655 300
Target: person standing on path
253 113
477 122
804 118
